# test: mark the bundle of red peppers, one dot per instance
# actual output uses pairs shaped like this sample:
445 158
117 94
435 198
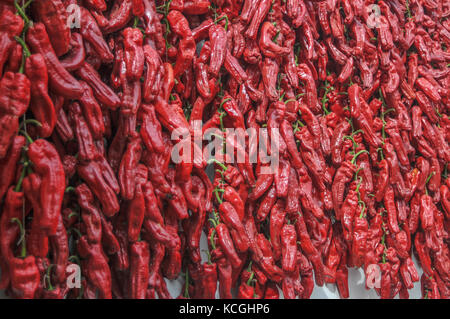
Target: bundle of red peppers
91 92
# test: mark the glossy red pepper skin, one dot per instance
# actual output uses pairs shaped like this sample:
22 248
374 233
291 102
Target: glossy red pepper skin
153 75
13 104
246 292
86 146
13 208
41 103
96 267
263 183
134 53
60 249
266 204
9 163
47 164
12 25
91 173
91 33
120 16
337 140
24 277
218 40
347 214
92 112
227 246
309 250
209 280
139 269
232 196
61 81
259 14
136 213
343 176
277 220
53 15
383 180
271 292
391 210
289 248
102 92
37 241
231 218
127 169
224 270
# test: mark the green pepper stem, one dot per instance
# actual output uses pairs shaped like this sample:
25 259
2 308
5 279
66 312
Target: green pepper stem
18 187
428 180
214 222
358 186
186 285
21 12
29 139
363 210
357 155
350 137
224 17
216 192
30 121
250 280
69 189
48 277
23 251
212 241
26 50
76 231
135 22
74 259
357 132
213 160
72 214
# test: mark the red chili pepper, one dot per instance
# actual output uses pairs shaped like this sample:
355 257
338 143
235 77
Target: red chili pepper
9 163
231 218
24 277
52 14
60 251
96 267
134 53
102 92
11 26
308 248
13 104
119 17
138 8
232 196
37 240
218 37
60 80
139 269
226 244
289 248
209 280
92 111
263 183
262 8
42 105
128 165
91 173
91 33
47 164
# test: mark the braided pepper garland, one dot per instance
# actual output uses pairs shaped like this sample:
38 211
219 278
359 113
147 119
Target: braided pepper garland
92 92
